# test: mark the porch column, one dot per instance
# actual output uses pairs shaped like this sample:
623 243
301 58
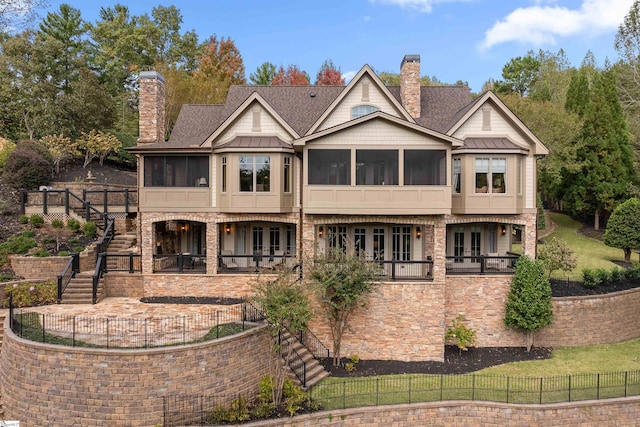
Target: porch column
307 238
147 243
212 246
439 251
529 235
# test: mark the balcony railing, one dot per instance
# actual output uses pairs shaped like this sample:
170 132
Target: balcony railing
180 263
405 270
256 263
481 264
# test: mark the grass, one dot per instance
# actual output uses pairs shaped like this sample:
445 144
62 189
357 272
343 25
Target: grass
590 253
600 371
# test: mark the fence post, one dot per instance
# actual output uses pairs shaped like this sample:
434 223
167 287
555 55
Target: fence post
441 385
87 213
66 201
130 262
377 391
598 388
570 376
541 390
107 332
409 390
126 200
508 389
11 325
23 201
146 340
73 336
482 264
626 373
59 299
43 328
180 262
473 386
104 201
344 395
393 269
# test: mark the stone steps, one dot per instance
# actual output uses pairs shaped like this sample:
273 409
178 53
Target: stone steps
315 372
80 290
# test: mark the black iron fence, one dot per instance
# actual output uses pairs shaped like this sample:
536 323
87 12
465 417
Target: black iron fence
390 390
107 200
123 262
79 331
481 264
180 263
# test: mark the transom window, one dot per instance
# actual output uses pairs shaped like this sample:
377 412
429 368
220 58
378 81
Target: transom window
176 171
490 174
255 173
362 110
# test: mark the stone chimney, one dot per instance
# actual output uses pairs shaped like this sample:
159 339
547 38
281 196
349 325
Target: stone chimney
151 108
410 84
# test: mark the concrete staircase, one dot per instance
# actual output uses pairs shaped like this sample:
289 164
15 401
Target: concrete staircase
314 370
80 289
120 244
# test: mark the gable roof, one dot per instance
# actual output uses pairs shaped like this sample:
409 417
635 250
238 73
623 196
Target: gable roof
366 70
490 97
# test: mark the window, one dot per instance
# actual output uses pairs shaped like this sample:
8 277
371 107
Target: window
287 175
257 240
329 167
338 237
176 171
291 239
362 110
224 174
378 244
490 175
360 241
458 244
255 173
520 171
401 242
476 243
425 167
376 167
457 175
274 240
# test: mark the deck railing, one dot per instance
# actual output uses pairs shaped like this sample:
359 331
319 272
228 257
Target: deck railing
481 264
179 263
108 200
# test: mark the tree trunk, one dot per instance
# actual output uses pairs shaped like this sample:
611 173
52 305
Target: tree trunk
529 340
596 220
627 255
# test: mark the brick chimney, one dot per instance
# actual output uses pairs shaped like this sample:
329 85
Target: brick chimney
151 108
410 84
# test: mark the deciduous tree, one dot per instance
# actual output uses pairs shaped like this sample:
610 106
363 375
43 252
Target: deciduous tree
528 306
60 147
221 66
556 254
329 75
292 76
623 228
97 144
342 285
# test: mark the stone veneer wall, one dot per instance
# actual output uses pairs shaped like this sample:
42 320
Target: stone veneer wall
46 384
35 268
601 413
119 284
402 321
223 285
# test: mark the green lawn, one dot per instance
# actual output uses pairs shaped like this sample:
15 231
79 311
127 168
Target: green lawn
591 253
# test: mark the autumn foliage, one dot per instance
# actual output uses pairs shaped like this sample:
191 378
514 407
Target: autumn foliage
292 76
329 75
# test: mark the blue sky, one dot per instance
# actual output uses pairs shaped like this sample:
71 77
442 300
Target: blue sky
469 40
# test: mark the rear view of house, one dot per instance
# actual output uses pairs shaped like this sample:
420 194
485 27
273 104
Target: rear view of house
433 185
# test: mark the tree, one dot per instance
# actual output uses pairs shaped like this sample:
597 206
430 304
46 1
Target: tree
520 74
220 66
329 75
264 74
555 254
60 147
13 13
292 76
623 228
528 306
97 144
285 305
342 284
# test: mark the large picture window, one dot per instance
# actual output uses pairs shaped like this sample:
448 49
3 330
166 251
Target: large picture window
376 167
255 173
329 167
425 167
176 171
490 174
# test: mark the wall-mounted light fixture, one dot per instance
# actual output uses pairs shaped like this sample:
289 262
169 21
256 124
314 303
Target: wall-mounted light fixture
184 227
227 228
503 229
320 231
418 232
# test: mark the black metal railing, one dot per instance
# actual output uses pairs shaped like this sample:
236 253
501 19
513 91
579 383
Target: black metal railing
180 263
405 270
101 267
253 263
106 332
314 345
130 262
108 199
69 272
293 359
481 264
107 235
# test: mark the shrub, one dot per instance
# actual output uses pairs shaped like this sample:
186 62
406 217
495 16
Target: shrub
64 253
17 245
617 274
23 219
26 169
589 279
57 223
90 229
30 295
36 221
42 253
293 397
351 365
36 147
5 277
464 336
29 233
78 249
73 224
603 276
48 240
236 413
6 208
632 273
73 241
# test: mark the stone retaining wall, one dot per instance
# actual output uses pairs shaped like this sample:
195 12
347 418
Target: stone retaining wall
46 384
35 268
601 413
121 284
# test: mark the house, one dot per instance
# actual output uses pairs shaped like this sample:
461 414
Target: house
429 182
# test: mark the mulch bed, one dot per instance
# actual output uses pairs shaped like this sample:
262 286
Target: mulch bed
191 300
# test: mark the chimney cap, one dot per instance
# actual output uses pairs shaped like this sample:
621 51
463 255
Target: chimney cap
151 75
410 58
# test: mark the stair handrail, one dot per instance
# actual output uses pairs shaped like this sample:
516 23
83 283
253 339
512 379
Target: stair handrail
69 272
107 235
295 361
101 266
86 205
312 343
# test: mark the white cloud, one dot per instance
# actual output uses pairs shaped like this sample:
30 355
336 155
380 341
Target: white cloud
541 25
419 5
348 75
